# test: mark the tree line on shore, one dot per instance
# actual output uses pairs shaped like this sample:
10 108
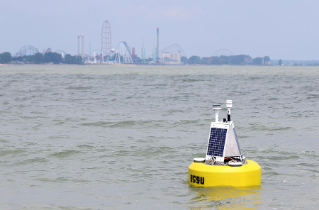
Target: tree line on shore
39 58
226 60
5 57
56 58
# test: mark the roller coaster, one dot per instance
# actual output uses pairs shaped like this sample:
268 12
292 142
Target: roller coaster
123 54
26 51
106 38
174 48
222 52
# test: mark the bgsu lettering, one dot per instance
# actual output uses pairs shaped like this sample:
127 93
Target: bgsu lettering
197 179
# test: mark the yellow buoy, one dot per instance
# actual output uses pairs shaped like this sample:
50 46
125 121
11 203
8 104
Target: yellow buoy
224 164
203 175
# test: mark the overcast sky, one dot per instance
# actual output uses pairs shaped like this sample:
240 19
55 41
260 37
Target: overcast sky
281 29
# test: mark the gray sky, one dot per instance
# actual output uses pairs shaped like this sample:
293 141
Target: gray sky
281 29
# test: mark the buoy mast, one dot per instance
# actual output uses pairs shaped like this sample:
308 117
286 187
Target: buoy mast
216 108
229 105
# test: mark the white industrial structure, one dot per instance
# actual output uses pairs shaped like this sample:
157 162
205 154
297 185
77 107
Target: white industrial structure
171 58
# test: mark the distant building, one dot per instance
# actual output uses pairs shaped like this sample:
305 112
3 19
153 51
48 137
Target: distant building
171 58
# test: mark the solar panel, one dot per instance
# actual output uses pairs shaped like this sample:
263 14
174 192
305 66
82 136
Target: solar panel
216 142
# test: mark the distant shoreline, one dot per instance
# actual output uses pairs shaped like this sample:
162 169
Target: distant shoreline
63 64
150 65
122 64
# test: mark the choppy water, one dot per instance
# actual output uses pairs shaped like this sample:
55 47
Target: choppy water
114 137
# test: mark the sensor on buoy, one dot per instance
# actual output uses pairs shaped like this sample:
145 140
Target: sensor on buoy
224 164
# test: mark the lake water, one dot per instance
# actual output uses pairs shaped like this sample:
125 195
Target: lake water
122 137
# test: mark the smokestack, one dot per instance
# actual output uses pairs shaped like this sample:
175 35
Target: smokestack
157 45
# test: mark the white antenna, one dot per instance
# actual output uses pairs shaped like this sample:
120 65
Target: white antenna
216 108
229 105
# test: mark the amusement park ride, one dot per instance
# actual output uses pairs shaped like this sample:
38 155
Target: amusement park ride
107 55
26 51
123 53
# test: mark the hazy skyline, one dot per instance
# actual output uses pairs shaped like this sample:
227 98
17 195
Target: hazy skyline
280 29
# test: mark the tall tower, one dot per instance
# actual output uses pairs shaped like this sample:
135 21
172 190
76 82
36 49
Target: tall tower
154 56
133 53
106 39
157 55
79 38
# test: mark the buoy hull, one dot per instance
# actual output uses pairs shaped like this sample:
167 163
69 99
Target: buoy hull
202 175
